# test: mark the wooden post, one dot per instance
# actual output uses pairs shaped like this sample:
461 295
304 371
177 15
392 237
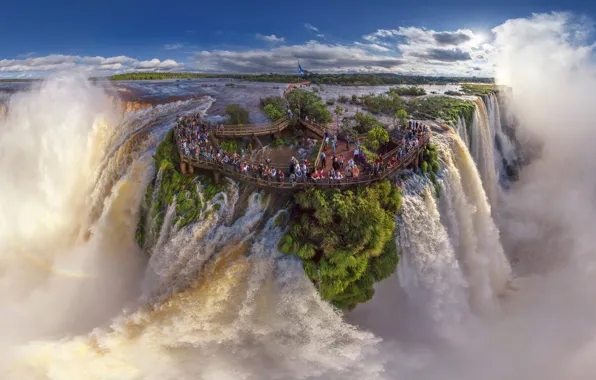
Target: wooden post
191 169
183 167
216 177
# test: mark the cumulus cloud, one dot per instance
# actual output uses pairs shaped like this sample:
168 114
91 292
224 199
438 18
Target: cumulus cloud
320 35
451 38
272 38
445 55
94 65
311 27
374 47
430 52
313 55
172 46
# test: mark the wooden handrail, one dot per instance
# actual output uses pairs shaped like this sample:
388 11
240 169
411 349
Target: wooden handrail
233 171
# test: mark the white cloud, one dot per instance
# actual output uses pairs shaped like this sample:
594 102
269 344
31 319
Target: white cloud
374 47
311 27
320 36
172 46
460 52
313 55
272 38
94 65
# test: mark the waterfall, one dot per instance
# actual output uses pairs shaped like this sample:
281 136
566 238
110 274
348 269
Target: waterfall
467 216
505 150
482 143
429 270
452 261
462 129
214 300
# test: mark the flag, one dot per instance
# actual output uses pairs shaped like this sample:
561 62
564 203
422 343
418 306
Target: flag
300 69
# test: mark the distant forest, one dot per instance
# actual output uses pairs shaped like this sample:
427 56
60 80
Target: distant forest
331 79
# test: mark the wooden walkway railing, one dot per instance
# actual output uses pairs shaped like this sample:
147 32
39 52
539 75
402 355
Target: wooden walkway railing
234 172
318 129
253 129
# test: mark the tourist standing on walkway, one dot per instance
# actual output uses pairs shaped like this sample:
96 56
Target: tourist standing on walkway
348 142
323 160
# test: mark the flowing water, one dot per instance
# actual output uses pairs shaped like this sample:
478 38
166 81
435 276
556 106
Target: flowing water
215 300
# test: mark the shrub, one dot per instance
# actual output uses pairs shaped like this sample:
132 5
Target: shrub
377 137
237 114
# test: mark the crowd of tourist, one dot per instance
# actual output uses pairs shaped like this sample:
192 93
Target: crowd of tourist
193 137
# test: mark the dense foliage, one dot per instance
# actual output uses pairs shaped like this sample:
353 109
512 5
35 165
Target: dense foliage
430 165
441 107
479 89
307 103
387 104
408 91
345 239
274 107
377 137
172 187
333 79
167 151
237 114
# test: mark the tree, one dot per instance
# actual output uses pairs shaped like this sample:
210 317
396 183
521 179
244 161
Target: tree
338 111
272 112
377 137
237 114
345 239
401 116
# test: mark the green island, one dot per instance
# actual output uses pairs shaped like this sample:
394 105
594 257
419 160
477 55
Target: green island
344 237
330 79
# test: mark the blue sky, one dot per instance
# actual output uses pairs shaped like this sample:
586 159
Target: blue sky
245 36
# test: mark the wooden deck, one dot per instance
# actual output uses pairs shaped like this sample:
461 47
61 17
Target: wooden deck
233 172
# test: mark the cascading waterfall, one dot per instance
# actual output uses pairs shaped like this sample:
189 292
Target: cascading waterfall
505 150
452 248
429 270
215 300
467 215
482 144
462 129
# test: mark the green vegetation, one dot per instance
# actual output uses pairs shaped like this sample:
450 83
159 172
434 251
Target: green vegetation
430 165
454 93
343 99
330 102
309 104
274 107
441 107
377 137
230 146
479 89
401 116
237 114
409 91
385 103
167 151
365 122
345 239
314 78
173 187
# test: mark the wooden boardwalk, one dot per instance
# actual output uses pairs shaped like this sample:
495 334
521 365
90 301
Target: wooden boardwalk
253 129
413 157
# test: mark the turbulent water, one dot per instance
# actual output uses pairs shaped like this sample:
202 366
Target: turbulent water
80 300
